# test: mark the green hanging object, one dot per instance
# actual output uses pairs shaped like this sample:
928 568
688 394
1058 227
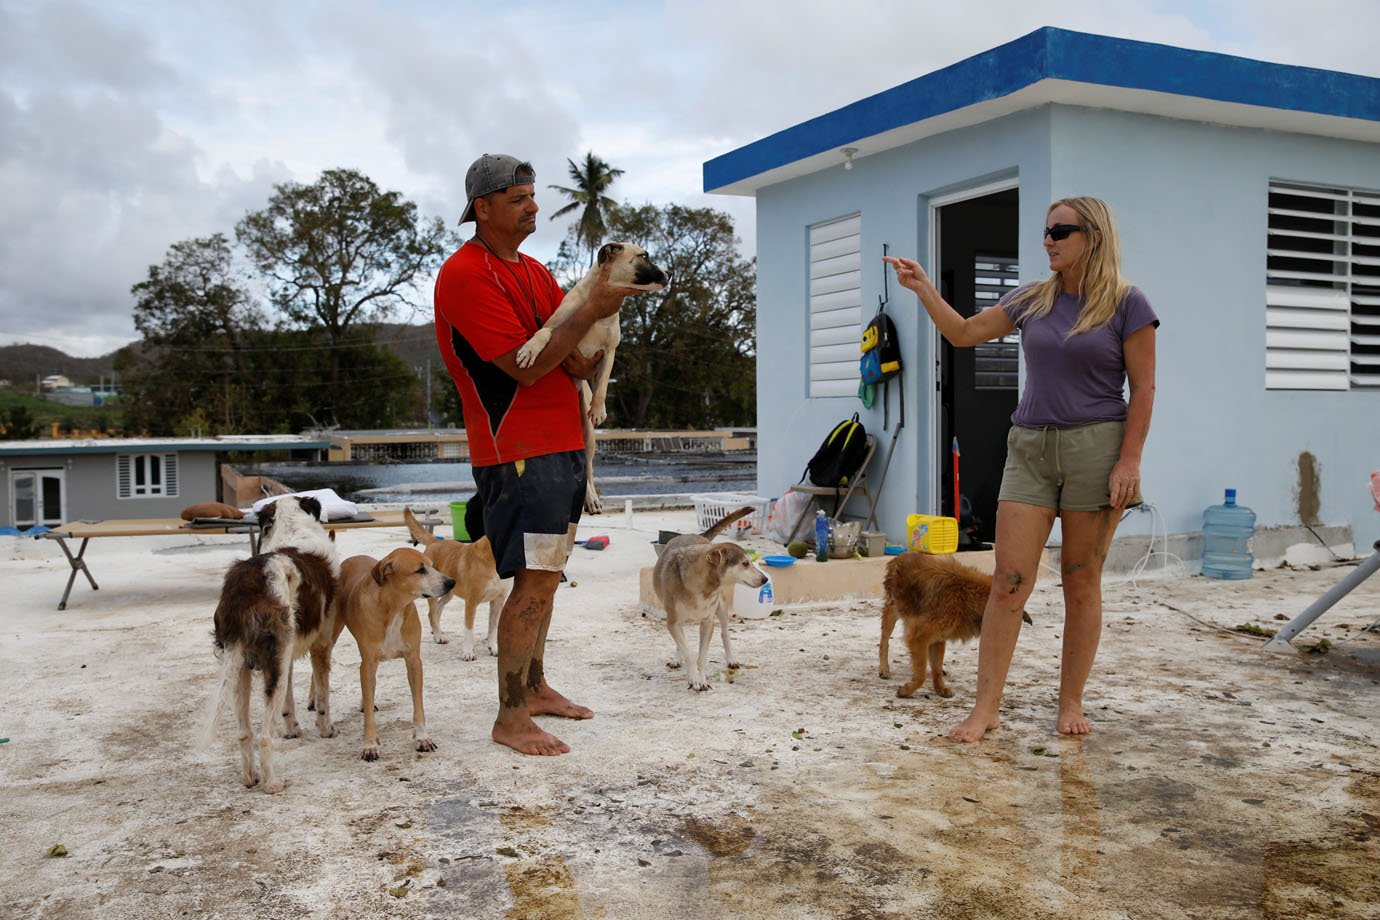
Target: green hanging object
867 392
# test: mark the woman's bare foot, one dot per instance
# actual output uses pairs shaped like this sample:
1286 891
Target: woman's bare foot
547 702
1072 721
526 737
973 728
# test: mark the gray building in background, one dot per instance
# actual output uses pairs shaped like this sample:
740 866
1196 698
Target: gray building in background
51 482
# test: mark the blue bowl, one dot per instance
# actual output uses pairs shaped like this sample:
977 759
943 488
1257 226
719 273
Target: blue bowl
779 562
894 550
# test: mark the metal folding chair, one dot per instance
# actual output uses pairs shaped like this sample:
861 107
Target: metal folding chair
857 485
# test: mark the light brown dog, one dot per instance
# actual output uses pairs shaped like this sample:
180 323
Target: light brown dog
941 600
627 266
476 582
692 579
375 600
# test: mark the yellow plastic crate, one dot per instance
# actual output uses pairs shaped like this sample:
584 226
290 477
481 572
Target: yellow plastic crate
927 533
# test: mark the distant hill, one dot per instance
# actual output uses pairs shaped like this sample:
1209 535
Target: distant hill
24 365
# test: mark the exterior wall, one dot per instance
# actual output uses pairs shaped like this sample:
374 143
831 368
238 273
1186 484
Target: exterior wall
1190 201
892 191
90 485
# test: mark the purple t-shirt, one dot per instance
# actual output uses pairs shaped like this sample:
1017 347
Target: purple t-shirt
1078 380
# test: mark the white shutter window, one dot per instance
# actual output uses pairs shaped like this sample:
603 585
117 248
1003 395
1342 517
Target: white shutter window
146 475
123 476
170 475
1322 291
1365 289
835 306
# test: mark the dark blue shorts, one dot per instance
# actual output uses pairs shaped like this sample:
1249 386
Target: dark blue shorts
531 508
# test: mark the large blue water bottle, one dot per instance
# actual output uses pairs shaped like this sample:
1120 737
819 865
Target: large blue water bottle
1228 538
821 536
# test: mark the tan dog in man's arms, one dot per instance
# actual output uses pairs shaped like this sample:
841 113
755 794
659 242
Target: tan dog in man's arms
376 600
941 600
692 579
476 582
628 266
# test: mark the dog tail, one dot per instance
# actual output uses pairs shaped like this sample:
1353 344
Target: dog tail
419 533
230 665
722 525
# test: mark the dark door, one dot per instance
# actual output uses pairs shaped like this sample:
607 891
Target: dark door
977 264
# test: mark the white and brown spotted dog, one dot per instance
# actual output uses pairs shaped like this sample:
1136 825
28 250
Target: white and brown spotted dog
692 579
628 267
376 600
274 608
475 572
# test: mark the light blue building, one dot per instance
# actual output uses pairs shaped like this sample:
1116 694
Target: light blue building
1247 195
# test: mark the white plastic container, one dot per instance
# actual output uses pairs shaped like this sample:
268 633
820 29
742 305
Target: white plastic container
754 603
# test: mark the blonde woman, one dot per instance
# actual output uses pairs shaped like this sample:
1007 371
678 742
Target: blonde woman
1075 443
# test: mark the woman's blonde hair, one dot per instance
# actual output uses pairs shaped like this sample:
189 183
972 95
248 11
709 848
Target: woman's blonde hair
1102 286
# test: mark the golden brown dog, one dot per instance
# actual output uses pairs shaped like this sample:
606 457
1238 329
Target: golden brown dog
476 582
375 600
692 579
941 600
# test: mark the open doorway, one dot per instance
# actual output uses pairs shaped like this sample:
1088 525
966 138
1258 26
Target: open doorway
976 242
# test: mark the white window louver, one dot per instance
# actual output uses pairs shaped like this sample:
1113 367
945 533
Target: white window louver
996 363
835 306
1322 315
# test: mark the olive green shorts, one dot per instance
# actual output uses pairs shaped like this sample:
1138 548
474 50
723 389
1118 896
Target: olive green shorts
1067 469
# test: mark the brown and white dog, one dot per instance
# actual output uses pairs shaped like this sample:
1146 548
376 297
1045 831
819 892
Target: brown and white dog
376 600
692 579
476 582
628 267
273 608
941 600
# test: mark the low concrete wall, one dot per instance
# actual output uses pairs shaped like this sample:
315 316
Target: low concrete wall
808 581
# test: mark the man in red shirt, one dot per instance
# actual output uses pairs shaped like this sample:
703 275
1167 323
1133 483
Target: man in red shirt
525 436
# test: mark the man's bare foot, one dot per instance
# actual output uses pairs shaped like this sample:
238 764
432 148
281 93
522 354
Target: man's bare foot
547 702
1072 721
973 728
526 737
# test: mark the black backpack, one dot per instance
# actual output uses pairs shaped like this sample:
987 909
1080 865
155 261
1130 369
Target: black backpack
839 456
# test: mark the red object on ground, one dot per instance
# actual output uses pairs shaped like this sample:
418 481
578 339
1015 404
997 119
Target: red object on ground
596 542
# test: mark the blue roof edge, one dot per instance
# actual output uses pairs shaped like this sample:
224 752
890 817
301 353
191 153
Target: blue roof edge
1051 53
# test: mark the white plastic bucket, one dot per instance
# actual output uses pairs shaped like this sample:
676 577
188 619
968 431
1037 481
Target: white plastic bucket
754 603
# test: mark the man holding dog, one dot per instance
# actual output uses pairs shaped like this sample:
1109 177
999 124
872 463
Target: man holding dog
525 437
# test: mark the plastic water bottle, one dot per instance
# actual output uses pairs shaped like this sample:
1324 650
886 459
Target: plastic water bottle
821 536
1228 539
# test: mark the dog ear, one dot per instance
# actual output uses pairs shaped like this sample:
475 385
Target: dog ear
381 570
266 515
718 556
310 505
608 251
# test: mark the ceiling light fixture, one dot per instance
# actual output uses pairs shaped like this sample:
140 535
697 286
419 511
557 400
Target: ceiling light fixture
848 156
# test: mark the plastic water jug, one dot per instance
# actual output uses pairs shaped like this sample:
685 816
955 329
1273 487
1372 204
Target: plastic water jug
1228 539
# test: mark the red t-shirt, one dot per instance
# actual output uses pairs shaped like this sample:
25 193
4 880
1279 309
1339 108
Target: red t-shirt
486 307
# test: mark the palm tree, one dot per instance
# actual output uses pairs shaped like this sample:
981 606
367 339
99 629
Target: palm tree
591 179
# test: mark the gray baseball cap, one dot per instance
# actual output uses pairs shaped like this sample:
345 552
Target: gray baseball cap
494 172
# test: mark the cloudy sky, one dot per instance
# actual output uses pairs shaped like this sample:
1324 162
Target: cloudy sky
129 125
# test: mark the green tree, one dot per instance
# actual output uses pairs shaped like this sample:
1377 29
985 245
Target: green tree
688 353
341 253
196 319
592 179
17 423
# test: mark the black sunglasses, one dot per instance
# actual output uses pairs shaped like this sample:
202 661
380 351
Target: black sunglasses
1061 231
